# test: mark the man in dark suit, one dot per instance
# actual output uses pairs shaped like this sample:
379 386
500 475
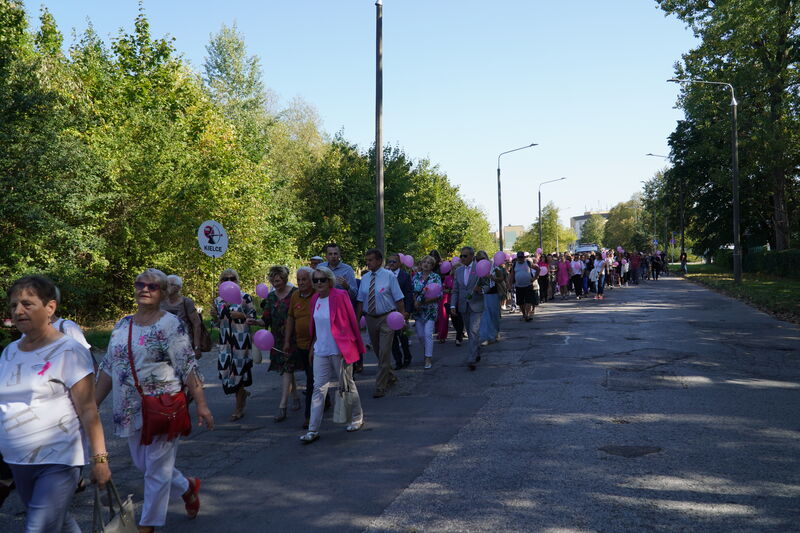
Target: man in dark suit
401 359
467 300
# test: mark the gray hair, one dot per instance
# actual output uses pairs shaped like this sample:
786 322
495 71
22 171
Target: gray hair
328 274
155 275
307 269
175 280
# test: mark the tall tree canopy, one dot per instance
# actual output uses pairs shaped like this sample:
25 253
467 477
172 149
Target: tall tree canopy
752 45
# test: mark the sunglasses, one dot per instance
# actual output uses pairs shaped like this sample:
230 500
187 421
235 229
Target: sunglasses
392 261
140 285
464 255
229 279
320 280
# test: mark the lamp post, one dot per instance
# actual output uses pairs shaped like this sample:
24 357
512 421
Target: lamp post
540 208
379 222
737 248
682 201
499 192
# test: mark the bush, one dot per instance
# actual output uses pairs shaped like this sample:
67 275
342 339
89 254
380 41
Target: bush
783 263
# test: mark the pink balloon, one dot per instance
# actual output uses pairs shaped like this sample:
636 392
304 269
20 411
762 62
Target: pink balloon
620 249
624 261
456 259
407 260
262 290
230 292
395 321
604 255
499 258
433 290
544 271
445 267
363 323
539 251
509 257
264 340
483 268
616 264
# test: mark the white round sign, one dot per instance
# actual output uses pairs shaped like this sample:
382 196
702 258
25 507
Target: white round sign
213 238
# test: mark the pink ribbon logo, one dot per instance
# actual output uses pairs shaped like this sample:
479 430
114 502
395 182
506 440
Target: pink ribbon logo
44 369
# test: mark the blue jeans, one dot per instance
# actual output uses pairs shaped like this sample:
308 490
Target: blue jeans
46 491
490 322
601 281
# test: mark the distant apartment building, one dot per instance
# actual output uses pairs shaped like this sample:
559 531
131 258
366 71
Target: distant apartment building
576 223
510 236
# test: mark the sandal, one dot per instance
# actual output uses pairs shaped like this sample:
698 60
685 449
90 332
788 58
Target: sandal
309 437
191 497
281 416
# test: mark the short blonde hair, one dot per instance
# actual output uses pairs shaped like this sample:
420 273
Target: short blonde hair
328 273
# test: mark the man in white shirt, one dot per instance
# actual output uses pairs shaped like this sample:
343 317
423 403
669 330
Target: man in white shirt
379 295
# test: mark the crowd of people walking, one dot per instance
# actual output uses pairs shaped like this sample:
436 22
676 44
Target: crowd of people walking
53 385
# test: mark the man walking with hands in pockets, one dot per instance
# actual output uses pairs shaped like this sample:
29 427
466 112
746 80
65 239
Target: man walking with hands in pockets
467 300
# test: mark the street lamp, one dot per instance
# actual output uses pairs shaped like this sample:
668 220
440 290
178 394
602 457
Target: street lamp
682 202
379 214
499 196
737 249
540 208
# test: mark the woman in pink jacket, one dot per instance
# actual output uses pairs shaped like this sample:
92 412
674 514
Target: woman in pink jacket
335 341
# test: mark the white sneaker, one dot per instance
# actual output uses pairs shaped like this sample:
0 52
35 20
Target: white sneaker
354 426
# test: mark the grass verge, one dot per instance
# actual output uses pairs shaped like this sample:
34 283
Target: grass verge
777 296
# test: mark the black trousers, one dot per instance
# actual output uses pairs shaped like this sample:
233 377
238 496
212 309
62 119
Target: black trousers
400 358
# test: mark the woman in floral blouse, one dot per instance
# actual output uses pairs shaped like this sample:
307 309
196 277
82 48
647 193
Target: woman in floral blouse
234 363
276 313
164 361
425 309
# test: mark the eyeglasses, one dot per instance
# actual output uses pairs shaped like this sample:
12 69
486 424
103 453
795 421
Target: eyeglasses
232 278
320 280
392 261
140 285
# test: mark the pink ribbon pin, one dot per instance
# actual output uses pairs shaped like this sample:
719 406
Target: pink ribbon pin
44 369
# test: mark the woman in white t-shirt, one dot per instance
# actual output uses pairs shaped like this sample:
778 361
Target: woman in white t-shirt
46 399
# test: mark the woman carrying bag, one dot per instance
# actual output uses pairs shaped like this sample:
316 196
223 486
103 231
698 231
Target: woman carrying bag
149 360
47 410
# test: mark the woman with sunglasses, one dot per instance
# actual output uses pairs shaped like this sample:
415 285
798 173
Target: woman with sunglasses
335 345
47 410
164 361
233 361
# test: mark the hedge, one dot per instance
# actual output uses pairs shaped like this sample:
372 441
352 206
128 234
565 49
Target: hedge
783 263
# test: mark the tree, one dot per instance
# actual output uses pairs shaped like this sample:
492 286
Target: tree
753 45
592 230
554 236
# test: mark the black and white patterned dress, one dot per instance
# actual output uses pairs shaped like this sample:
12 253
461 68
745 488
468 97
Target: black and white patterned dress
234 362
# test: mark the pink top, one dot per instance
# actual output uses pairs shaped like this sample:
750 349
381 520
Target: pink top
562 275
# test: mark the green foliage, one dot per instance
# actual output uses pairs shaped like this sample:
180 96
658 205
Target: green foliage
592 230
555 237
625 226
752 45
112 156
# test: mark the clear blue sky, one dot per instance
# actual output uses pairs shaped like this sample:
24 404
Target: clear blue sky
463 81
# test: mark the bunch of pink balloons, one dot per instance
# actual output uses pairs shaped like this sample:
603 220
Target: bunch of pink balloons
445 267
230 292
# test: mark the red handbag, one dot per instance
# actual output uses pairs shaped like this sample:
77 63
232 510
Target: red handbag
162 414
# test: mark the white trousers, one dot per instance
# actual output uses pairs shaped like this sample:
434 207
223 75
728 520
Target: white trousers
161 479
425 334
326 370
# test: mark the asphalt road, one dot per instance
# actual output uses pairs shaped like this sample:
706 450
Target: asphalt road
664 407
